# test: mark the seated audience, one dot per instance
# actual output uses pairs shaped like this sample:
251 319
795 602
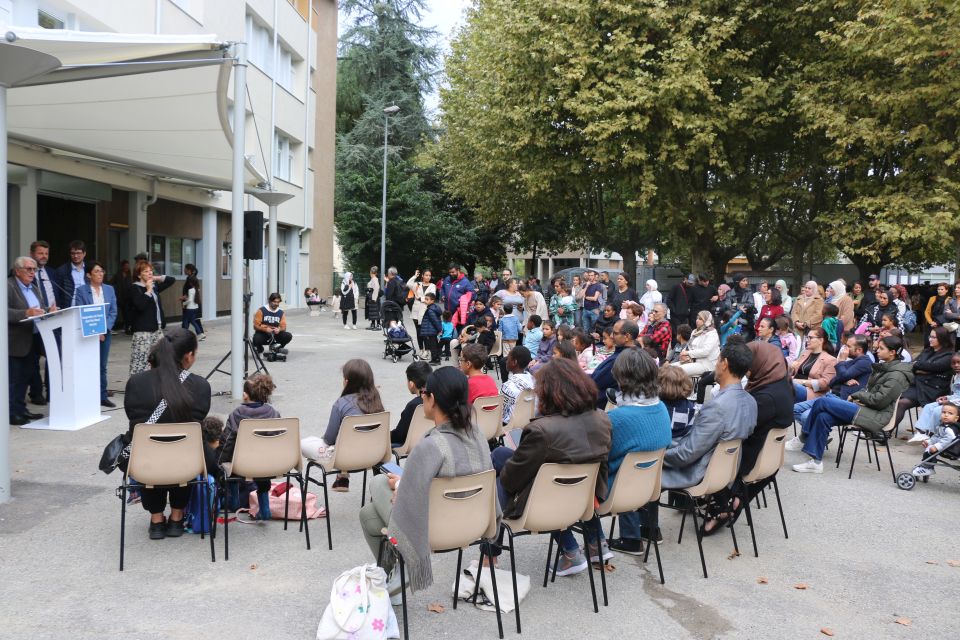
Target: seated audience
417 374
519 380
943 437
624 335
931 411
702 351
544 350
675 389
932 373
815 367
472 360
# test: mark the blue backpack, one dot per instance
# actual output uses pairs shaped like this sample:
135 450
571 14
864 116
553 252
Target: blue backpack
909 321
194 520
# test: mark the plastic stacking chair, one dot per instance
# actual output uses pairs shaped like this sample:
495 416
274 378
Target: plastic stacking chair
463 512
362 443
419 427
164 456
721 471
489 416
562 496
768 464
883 437
636 485
523 409
496 353
267 449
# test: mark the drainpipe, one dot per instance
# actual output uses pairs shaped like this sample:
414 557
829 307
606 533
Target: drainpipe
154 195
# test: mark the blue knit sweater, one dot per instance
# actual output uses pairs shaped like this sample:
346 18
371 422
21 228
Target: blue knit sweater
636 428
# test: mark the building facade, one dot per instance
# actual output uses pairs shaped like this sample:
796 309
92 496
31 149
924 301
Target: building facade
120 211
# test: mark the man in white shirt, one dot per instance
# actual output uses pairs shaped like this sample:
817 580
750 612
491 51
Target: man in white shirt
518 381
72 275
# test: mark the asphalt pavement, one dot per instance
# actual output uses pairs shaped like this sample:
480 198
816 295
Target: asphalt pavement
861 556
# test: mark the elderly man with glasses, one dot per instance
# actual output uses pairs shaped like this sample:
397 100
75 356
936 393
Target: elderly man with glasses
24 300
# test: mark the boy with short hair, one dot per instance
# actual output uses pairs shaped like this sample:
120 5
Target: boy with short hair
431 327
533 336
447 334
509 328
941 438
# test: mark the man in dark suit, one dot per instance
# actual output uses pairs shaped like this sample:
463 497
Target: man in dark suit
40 251
24 300
71 275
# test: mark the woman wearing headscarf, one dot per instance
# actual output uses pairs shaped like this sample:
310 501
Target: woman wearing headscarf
703 350
807 310
785 300
769 383
837 295
349 294
651 296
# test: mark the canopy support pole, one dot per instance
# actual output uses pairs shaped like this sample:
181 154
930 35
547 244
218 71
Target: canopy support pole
236 220
4 332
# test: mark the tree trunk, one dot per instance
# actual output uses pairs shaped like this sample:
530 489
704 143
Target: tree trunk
629 264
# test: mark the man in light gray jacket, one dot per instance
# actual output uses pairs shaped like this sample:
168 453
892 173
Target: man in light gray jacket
731 414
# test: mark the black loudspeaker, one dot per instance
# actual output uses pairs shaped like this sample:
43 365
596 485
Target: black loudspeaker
253 235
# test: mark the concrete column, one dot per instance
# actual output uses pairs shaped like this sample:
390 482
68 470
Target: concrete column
549 267
210 268
23 216
583 262
294 287
137 221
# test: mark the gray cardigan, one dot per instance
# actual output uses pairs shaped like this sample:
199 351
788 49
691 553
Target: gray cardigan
731 414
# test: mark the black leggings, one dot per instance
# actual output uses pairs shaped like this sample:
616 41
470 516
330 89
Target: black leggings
155 500
344 314
706 380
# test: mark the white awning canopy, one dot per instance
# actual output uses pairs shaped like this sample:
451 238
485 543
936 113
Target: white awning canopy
157 103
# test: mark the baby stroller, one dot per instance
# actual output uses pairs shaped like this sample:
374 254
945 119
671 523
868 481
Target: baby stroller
396 341
947 457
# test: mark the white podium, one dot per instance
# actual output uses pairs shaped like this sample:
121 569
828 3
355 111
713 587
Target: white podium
74 366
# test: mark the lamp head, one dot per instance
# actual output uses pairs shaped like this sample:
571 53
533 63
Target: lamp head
391 110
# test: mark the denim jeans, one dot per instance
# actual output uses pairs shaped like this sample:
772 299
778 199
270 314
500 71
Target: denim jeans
191 318
800 392
631 522
104 356
929 417
589 319
826 413
591 531
801 412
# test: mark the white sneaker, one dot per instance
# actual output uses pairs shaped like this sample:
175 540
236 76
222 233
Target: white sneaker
354 327
920 472
794 444
918 437
345 327
810 466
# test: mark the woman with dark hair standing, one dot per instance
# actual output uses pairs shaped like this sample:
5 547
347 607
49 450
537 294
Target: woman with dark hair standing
359 397
191 302
622 292
371 311
455 447
639 423
570 430
168 387
146 313
932 371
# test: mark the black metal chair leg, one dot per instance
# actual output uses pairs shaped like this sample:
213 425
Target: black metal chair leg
456 583
753 536
226 522
890 459
656 551
855 447
763 492
363 492
513 577
546 569
403 596
593 586
683 521
304 523
696 530
205 510
123 518
783 521
496 594
476 585
556 562
733 534
286 501
613 523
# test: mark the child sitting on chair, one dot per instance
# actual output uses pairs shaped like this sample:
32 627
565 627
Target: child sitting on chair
941 438
675 387
256 396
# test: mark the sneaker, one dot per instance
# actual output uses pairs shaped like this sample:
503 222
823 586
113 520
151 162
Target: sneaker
174 528
106 402
571 564
396 600
917 438
341 484
393 583
354 327
810 466
158 530
202 337
656 537
607 554
794 444
627 545
920 472
345 327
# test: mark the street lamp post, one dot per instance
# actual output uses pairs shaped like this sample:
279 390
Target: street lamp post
387 112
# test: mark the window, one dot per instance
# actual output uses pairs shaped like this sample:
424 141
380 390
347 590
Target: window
285 69
283 160
47 21
225 254
158 253
259 45
169 256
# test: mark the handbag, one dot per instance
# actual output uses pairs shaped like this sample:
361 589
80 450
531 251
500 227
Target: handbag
951 326
278 501
359 607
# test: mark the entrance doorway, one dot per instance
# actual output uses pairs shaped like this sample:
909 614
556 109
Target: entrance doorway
61 221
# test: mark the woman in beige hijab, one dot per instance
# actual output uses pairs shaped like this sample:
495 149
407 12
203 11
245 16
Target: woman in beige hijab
807 311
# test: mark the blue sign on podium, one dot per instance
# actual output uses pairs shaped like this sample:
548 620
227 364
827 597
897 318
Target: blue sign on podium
93 320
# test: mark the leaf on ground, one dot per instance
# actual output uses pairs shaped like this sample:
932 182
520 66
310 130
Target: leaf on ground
253 567
953 563
762 580
733 555
932 562
904 621
436 607
827 631
800 586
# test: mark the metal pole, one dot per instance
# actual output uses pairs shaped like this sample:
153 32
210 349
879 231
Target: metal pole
383 214
236 221
273 259
4 332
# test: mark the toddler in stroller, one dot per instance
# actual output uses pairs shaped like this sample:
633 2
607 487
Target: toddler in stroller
396 341
941 445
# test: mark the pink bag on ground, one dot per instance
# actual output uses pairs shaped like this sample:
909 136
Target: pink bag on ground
278 500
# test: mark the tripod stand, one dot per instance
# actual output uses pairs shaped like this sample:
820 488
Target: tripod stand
249 351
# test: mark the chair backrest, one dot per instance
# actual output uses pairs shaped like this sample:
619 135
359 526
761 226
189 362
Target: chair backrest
462 510
488 412
419 427
497 349
637 482
166 454
721 470
561 495
771 457
522 410
363 441
609 407
892 422
267 448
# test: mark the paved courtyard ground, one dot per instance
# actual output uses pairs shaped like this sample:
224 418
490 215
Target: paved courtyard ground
868 553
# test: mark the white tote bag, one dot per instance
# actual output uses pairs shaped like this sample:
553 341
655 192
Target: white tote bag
359 607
